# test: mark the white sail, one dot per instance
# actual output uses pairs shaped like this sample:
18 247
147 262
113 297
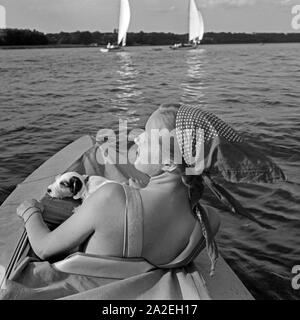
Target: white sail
123 21
2 17
196 26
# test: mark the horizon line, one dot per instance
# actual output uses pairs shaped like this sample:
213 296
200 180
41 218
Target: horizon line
245 32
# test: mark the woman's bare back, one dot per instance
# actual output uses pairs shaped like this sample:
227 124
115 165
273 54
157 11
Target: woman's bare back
168 223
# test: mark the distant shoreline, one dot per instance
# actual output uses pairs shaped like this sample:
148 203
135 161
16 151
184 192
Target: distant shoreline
145 45
45 46
18 39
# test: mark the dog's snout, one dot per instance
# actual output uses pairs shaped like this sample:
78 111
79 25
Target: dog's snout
49 190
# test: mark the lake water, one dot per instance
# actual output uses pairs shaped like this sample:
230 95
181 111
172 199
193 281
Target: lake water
50 97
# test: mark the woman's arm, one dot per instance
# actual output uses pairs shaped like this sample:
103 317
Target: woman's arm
76 229
68 235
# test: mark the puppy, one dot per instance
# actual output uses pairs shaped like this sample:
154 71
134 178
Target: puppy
72 184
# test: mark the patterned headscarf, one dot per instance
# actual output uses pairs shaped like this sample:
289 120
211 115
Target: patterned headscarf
211 147
220 149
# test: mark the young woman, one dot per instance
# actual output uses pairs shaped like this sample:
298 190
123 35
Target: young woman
163 208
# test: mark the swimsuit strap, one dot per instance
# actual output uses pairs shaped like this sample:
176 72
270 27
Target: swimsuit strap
133 224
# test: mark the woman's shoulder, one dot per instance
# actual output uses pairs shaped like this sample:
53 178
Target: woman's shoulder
107 201
106 208
109 188
111 192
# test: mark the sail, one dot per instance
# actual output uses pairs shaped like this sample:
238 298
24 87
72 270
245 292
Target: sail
2 17
196 26
123 21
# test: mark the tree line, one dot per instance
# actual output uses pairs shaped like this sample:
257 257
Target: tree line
16 37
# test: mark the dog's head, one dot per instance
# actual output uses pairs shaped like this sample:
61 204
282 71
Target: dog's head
70 184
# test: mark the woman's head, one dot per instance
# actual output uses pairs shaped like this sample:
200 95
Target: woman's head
165 115
158 148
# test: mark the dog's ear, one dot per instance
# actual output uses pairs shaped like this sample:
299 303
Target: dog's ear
75 185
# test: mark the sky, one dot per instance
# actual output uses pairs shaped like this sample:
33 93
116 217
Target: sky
150 15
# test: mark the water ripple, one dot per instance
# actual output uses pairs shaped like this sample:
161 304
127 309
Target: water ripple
48 98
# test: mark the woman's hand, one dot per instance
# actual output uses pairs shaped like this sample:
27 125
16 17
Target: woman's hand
26 208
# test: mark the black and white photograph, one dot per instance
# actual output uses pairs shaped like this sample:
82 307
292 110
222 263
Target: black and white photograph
150 150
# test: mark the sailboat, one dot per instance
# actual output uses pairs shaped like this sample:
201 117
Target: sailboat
124 20
196 29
